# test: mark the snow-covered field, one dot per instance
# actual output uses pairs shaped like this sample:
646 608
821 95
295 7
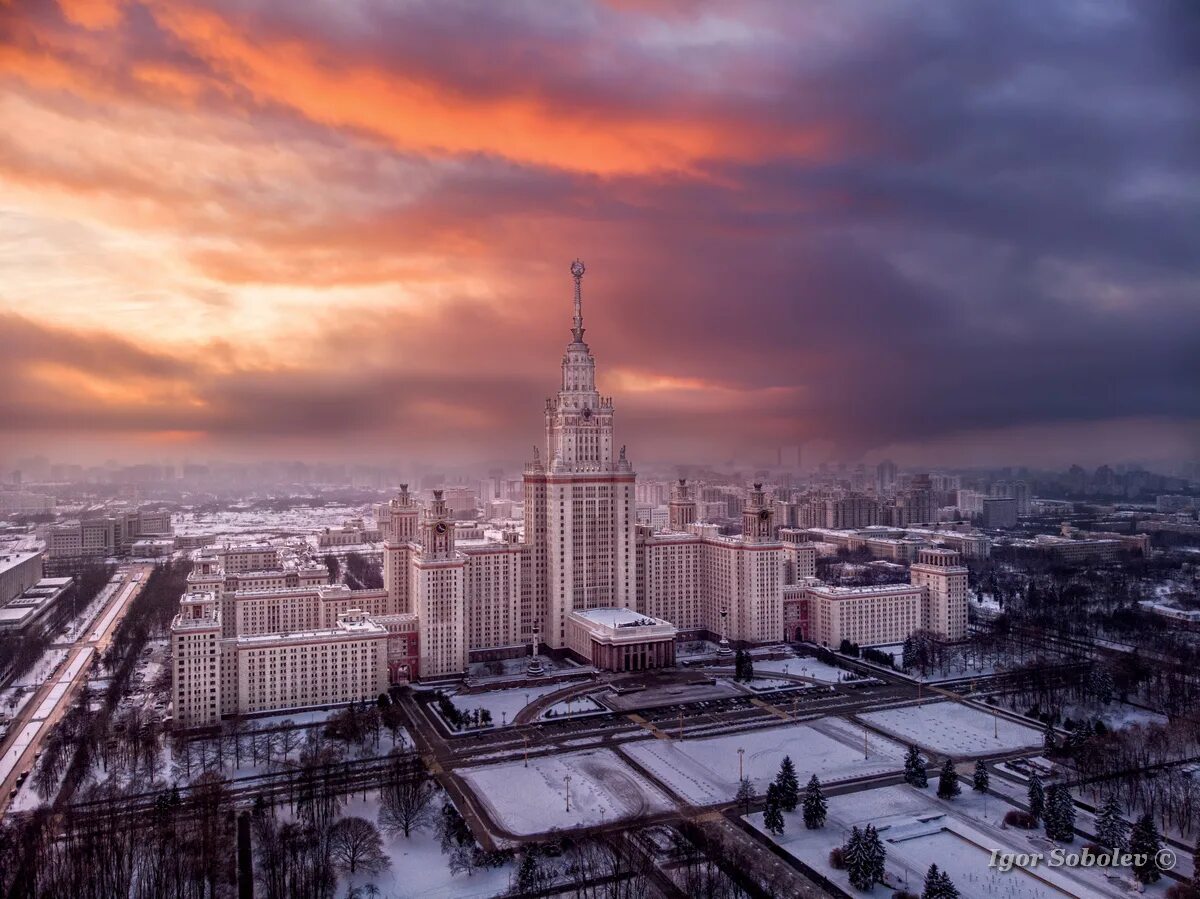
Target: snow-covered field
418 867
529 800
803 667
954 729
919 830
705 771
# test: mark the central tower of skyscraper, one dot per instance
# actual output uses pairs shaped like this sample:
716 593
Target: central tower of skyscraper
579 501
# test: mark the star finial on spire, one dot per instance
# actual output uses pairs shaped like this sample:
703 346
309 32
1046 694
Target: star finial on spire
577 270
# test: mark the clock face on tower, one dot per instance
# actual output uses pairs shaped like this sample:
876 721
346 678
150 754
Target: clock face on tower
440 527
764 514
587 412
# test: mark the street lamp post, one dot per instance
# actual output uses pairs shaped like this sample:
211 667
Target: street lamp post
741 756
567 780
525 739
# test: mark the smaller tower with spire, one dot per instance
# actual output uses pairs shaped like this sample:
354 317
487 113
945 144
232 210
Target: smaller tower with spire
682 508
437 530
758 518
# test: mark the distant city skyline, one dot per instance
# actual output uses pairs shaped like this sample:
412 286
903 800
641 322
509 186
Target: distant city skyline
950 238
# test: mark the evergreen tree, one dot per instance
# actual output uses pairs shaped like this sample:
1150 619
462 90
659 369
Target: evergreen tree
948 786
946 887
914 768
876 854
1049 738
1112 831
815 807
1037 797
773 816
743 666
1145 843
1060 814
858 861
789 786
938 885
528 874
979 783
908 656
745 795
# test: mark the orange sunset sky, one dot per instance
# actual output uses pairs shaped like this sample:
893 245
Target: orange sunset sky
949 232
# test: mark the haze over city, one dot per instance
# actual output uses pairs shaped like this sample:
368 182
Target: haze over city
962 235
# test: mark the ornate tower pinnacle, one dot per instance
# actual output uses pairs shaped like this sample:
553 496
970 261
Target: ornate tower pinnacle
577 270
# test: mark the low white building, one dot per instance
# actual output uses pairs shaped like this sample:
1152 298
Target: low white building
621 639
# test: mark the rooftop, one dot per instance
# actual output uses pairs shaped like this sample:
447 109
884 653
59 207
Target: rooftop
879 590
13 559
618 617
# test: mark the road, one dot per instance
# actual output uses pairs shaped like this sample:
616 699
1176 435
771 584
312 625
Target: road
50 701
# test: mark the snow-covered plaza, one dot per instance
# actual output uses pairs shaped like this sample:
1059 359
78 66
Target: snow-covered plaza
705 771
954 729
529 800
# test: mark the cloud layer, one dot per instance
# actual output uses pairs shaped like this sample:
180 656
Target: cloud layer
345 227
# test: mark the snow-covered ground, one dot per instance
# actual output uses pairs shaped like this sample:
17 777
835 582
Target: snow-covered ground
919 830
14 697
529 800
62 685
954 729
767 684
583 705
705 771
114 610
1115 715
264 523
418 867
504 704
803 667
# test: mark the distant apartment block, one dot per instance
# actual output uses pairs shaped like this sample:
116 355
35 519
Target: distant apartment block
95 539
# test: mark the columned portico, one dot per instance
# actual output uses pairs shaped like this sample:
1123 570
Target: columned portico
621 639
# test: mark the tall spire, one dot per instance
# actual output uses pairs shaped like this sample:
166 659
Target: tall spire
577 271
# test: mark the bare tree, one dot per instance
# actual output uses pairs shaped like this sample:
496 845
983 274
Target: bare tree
355 845
405 800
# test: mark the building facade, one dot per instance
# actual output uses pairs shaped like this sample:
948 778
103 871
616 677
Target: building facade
583 578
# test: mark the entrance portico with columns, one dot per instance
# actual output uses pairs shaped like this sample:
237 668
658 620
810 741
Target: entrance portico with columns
621 639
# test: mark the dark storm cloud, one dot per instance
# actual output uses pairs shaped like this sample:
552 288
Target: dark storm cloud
866 222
